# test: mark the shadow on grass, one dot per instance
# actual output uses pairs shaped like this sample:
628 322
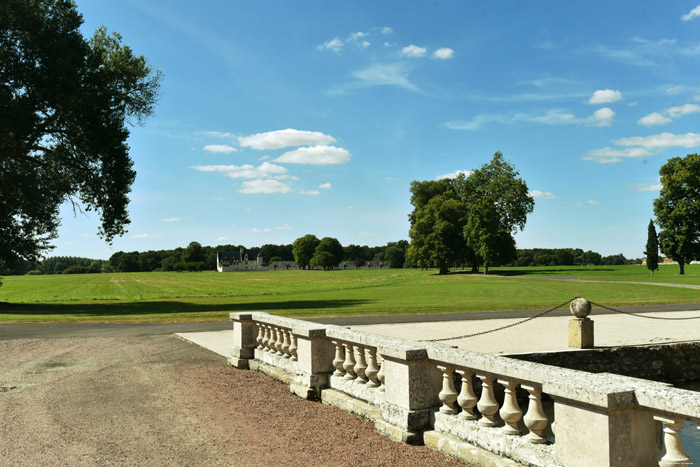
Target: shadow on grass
550 272
166 307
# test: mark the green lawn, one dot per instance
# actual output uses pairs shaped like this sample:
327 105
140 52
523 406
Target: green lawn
205 296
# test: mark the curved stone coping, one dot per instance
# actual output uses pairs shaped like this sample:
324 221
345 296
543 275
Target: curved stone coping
670 401
301 328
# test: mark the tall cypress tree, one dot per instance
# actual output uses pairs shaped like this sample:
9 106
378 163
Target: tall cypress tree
652 249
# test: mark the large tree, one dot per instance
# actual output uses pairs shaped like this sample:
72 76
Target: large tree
303 249
652 249
677 209
328 253
498 203
65 102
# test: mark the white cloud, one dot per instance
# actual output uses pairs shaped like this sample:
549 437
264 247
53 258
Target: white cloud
542 194
147 236
284 138
310 192
694 13
681 110
255 230
675 90
604 96
218 134
551 117
443 53
390 74
454 174
264 187
265 170
590 201
334 45
647 187
325 186
220 148
367 234
386 30
653 119
413 51
477 122
221 239
602 117
609 155
284 227
661 141
172 219
321 155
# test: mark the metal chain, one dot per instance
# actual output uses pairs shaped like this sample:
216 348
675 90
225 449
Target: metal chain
642 316
502 327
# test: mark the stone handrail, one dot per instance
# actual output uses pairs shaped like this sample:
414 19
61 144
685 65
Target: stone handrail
409 389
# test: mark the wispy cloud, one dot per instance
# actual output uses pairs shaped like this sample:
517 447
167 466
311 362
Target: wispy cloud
172 219
542 194
590 202
601 117
646 186
310 192
319 155
145 235
325 186
265 170
264 187
694 13
641 52
220 148
357 39
256 230
284 227
605 96
284 138
388 74
641 146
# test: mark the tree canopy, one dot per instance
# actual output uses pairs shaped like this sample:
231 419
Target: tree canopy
65 102
303 249
652 248
470 219
677 209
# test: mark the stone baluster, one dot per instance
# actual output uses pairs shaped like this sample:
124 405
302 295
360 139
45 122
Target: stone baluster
675 454
372 369
467 398
448 394
510 411
349 363
280 341
339 359
293 348
360 365
266 339
380 375
261 336
487 404
535 419
286 343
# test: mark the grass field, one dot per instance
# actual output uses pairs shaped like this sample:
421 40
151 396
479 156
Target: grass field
207 296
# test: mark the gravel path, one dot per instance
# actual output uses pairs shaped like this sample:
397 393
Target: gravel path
157 400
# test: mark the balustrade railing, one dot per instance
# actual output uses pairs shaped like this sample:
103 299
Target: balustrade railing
417 386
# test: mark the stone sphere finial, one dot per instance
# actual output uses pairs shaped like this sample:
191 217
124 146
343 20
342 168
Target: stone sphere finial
580 307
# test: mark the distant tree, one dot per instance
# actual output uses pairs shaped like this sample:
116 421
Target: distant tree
677 209
65 102
304 249
193 253
652 248
503 197
394 256
335 252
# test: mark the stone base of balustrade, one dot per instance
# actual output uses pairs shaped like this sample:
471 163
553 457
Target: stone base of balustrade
494 440
372 413
358 390
276 360
306 386
272 371
240 363
452 446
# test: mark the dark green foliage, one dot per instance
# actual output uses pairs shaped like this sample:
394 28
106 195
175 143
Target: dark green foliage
652 248
327 254
64 105
677 209
304 249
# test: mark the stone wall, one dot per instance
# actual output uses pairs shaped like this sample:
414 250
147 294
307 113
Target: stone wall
669 363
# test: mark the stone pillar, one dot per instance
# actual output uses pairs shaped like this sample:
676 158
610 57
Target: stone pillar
411 388
581 327
244 340
315 353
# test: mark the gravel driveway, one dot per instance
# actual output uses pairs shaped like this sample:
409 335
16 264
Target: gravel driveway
157 400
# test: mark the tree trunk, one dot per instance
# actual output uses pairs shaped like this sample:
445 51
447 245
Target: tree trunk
486 269
443 270
681 263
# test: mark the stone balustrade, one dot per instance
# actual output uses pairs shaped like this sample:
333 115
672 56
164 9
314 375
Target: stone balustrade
446 397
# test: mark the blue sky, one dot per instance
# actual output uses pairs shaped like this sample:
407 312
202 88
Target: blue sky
279 119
